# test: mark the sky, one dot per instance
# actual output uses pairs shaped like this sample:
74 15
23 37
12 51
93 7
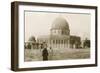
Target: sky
40 23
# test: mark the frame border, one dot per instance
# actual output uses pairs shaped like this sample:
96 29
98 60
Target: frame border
15 34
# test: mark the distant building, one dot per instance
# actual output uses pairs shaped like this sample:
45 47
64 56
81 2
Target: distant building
32 44
60 36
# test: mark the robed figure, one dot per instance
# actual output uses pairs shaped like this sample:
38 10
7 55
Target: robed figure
45 54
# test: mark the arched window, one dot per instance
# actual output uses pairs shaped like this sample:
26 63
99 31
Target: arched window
61 41
53 41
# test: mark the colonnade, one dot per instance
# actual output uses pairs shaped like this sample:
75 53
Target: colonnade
59 44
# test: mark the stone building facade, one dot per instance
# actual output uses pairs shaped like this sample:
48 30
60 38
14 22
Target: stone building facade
59 36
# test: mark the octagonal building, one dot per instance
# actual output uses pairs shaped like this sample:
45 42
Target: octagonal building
59 34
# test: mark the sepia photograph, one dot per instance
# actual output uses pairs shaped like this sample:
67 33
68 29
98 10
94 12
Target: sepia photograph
56 36
52 36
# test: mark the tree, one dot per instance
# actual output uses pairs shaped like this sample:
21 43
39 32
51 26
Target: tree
86 43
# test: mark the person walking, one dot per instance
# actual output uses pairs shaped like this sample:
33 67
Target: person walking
45 52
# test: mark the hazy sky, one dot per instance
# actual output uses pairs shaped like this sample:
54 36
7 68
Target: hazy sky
39 23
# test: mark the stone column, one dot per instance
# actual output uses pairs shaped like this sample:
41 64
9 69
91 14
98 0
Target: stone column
68 44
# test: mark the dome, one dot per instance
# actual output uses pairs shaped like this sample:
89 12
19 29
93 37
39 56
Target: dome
32 38
60 23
